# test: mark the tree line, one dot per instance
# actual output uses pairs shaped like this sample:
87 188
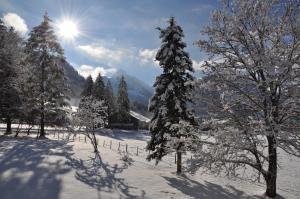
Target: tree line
118 107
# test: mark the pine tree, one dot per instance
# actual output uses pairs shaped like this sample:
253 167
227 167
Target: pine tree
123 102
88 87
99 88
48 83
10 59
172 93
111 101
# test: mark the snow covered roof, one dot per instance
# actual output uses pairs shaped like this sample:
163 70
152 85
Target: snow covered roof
74 108
139 116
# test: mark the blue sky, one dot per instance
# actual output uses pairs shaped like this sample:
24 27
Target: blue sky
114 34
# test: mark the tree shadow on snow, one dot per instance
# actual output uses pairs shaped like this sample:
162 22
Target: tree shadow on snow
102 176
208 190
31 169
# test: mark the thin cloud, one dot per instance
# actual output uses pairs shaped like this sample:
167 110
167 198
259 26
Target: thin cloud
86 70
15 21
198 65
148 56
103 53
202 8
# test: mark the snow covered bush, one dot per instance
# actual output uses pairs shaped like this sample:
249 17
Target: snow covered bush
126 158
91 115
253 77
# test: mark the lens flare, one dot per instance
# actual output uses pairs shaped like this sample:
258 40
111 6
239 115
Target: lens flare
68 29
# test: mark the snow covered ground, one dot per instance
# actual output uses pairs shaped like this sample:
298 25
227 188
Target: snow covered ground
52 169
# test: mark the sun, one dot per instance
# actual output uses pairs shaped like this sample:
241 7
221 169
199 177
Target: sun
68 29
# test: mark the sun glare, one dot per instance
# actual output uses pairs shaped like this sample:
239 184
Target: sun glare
68 29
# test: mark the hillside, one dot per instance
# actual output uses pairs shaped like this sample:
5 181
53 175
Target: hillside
75 80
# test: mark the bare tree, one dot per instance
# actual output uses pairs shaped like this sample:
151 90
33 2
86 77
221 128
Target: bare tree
252 87
91 114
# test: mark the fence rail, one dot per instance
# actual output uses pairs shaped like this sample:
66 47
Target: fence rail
117 146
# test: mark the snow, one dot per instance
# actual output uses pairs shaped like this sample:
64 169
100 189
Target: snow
60 169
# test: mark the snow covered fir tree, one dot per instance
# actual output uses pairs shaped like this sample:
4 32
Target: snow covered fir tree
88 87
169 104
46 80
123 102
111 102
99 88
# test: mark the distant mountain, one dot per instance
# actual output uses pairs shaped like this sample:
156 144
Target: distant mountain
75 80
139 93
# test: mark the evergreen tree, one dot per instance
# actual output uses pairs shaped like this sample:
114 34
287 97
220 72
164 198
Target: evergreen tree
172 93
10 57
99 88
123 102
88 87
47 80
111 102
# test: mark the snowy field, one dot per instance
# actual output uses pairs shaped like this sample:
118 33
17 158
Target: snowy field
60 168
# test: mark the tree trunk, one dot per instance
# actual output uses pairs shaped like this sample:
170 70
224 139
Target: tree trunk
95 143
43 79
28 131
179 162
42 132
272 170
18 130
8 126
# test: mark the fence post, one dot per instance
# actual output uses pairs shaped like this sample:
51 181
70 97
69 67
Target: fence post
137 151
85 139
126 148
119 146
110 145
175 158
97 140
103 143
